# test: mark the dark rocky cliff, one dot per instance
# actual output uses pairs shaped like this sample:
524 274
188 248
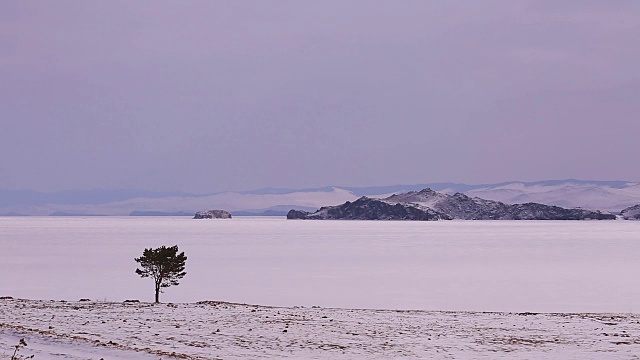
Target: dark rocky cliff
631 213
370 209
430 205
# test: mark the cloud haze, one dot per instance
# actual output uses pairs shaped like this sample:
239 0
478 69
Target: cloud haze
206 96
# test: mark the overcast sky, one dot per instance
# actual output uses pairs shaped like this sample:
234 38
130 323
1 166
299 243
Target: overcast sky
236 95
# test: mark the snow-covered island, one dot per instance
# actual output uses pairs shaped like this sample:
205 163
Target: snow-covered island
631 213
427 204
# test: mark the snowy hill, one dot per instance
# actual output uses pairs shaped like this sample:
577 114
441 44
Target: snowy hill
609 196
604 195
230 201
427 204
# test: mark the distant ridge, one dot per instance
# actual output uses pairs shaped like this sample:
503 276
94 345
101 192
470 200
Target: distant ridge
611 196
440 186
30 197
278 210
462 188
62 213
10 214
161 213
430 205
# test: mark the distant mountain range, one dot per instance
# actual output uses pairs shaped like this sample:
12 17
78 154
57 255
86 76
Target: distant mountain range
427 204
603 195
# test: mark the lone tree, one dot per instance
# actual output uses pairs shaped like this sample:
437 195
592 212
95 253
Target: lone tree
164 265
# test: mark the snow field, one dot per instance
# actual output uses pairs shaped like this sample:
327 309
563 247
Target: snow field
218 330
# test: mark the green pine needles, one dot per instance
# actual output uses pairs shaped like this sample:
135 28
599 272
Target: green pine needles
164 265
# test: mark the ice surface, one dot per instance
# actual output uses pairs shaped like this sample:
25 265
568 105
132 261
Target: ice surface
539 266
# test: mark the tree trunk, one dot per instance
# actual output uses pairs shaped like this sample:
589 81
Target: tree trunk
157 294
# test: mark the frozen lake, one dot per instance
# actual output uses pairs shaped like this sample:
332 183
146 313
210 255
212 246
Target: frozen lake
538 266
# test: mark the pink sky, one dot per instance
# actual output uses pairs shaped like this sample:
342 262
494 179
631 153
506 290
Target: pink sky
208 96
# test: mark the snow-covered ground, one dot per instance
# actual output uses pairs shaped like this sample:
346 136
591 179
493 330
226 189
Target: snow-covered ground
215 330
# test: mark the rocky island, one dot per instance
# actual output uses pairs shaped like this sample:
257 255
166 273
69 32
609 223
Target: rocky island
427 204
631 213
213 214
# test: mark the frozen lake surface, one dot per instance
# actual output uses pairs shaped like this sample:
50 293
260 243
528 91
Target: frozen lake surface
537 266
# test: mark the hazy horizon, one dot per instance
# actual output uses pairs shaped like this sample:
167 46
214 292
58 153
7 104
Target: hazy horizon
211 96
264 188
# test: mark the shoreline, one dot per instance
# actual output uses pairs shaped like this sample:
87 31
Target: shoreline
398 310
216 329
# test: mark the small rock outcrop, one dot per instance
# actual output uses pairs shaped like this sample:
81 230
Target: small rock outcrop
430 205
212 214
631 213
